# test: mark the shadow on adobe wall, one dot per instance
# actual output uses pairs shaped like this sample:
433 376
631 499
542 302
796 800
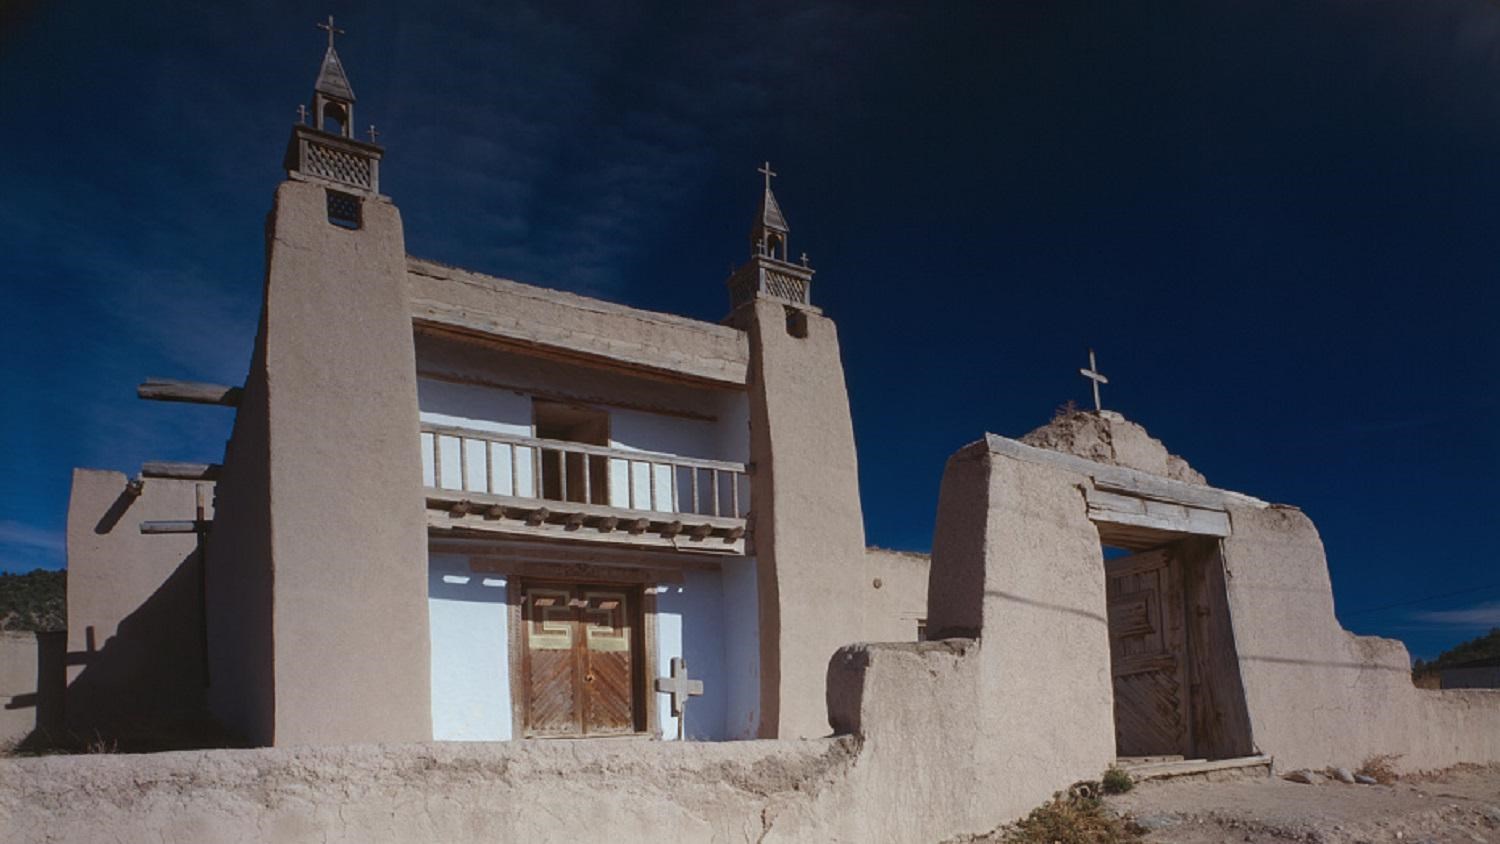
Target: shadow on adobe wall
46 702
142 689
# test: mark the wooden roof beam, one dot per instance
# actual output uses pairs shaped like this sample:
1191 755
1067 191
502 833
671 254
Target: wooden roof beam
181 471
192 392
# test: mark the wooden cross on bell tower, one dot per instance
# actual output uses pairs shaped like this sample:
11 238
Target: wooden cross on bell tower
331 30
765 170
1093 374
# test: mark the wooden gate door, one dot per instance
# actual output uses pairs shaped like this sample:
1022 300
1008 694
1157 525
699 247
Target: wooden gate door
579 660
1147 650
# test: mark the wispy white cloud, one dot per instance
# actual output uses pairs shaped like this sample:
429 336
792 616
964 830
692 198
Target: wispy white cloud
21 535
1485 614
568 169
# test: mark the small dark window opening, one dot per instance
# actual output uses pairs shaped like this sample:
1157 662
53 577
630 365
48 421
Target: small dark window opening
344 210
796 322
921 630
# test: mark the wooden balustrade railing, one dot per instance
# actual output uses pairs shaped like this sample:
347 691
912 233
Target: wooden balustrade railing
463 459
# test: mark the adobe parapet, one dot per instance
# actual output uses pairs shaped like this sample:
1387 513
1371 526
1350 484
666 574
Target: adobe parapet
573 325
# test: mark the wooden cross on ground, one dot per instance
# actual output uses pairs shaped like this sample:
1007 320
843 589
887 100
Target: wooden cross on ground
680 687
1093 374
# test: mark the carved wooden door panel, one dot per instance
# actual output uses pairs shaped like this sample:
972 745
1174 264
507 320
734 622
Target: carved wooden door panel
550 662
579 660
609 678
1147 654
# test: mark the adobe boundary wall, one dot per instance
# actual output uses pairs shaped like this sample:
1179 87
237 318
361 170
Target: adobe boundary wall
905 779
512 791
936 739
18 660
31 684
1317 695
135 606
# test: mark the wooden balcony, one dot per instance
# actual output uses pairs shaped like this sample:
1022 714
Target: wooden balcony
492 482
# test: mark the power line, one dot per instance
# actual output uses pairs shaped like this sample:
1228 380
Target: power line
1468 591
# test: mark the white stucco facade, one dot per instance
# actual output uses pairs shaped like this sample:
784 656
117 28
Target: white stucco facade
704 621
709 617
471 695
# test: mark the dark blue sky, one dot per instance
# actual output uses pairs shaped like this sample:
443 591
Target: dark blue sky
1276 222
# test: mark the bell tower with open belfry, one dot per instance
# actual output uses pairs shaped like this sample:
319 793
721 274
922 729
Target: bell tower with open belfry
318 627
323 147
808 525
769 274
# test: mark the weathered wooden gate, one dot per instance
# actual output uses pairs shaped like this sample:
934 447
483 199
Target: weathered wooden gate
1147 641
580 660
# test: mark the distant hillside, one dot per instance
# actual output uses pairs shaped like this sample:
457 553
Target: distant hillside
37 601
1483 647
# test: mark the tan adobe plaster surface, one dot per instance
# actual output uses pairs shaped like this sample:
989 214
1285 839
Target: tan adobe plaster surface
317 589
1317 694
946 737
515 791
895 592
576 325
807 524
444 357
134 610
19 712
1108 437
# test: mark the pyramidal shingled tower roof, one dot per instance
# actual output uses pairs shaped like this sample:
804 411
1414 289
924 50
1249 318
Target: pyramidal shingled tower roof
770 213
331 78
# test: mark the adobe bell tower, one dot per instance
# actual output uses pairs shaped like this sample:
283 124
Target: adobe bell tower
807 524
318 626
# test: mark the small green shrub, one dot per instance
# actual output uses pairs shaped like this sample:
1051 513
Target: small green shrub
1070 820
1116 781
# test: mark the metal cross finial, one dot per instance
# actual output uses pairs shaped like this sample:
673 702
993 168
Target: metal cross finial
373 134
768 172
804 259
1092 373
302 113
680 687
331 30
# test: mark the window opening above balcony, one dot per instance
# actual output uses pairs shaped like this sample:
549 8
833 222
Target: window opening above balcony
563 473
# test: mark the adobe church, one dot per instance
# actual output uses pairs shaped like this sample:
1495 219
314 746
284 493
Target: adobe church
457 507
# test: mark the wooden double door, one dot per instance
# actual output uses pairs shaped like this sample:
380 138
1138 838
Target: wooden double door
581 664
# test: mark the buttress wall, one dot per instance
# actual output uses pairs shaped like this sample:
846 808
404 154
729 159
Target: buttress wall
317 593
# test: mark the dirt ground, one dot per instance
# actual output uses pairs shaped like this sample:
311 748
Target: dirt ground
1458 805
